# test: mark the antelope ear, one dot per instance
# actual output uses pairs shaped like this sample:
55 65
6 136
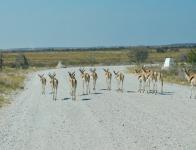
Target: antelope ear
104 69
114 72
39 75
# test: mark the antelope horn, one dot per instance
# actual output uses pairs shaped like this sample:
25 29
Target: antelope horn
70 74
49 74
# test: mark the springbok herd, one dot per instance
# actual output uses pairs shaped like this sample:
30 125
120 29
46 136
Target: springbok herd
148 81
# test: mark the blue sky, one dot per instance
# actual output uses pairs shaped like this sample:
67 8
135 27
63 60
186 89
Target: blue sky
86 23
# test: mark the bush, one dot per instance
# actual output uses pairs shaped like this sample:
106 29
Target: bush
161 50
192 56
140 56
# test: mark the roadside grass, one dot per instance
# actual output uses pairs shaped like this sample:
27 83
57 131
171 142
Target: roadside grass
10 80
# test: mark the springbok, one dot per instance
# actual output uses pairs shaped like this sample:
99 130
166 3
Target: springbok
141 79
153 77
94 76
54 84
43 82
149 78
108 76
73 84
85 81
191 78
120 79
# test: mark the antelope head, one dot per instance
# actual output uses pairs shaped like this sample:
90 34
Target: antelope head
137 71
144 69
106 70
49 74
82 70
72 75
52 76
187 74
116 74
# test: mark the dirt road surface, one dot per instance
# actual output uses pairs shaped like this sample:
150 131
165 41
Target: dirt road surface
103 120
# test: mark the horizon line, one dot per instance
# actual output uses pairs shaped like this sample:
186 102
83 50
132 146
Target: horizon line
89 47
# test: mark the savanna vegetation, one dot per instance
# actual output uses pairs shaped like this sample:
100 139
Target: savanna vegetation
96 56
14 65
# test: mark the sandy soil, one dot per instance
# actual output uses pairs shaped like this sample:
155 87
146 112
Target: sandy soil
103 120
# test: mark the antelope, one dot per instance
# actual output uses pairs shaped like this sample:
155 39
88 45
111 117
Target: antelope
149 78
142 81
94 76
153 77
120 79
85 80
191 78
43 82
54 84
108 76
73 84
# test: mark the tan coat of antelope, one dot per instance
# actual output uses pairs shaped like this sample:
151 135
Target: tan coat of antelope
73 84
191 78
85 81
95 77
141 79
153 77
43 82
120 79
54 85
108 76
149 76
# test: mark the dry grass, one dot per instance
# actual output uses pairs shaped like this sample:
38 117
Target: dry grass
50 59
11 80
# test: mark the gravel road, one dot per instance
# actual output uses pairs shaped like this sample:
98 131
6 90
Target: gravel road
103 120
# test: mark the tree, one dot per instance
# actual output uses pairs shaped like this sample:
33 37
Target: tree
161 50
21 61
192 56
140 55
